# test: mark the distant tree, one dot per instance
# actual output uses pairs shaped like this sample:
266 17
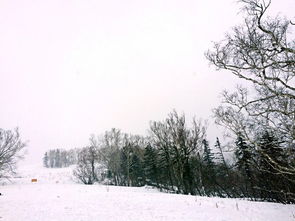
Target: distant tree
72 156
64 162
45 160
51 156
11 147
57 158
58 162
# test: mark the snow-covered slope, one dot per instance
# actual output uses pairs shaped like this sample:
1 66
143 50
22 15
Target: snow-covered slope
44 175
56 197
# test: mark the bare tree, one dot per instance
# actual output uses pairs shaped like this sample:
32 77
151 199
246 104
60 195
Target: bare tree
85 170
262 52
109 153
11 148
176 144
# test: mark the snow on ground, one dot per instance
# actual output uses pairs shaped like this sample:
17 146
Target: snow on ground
56 197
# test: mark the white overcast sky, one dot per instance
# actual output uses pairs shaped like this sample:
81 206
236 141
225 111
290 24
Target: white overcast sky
70 68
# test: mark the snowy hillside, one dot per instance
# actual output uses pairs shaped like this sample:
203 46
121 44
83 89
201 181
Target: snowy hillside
57 197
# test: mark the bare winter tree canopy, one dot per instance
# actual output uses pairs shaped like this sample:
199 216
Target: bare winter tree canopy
262 52
11 148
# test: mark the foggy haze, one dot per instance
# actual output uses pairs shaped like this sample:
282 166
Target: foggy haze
73 68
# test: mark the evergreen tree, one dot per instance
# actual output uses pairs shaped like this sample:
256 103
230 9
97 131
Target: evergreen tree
45 160
150 166
220 155
57 158
51 156
209 172
271 183
136 170
223 171
244 164
208 156
64 158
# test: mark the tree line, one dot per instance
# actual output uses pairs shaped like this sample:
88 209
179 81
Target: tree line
177 158
58 158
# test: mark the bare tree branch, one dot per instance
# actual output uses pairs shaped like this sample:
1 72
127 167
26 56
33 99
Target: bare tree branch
11 148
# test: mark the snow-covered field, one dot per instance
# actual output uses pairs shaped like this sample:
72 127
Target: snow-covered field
56 197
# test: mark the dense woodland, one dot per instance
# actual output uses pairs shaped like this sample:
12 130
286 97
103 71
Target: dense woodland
178 158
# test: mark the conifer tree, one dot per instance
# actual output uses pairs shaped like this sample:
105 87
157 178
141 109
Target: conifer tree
220 156
45 160
136 170
244 164
57 158
151 168
208 156
209 169
271 183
